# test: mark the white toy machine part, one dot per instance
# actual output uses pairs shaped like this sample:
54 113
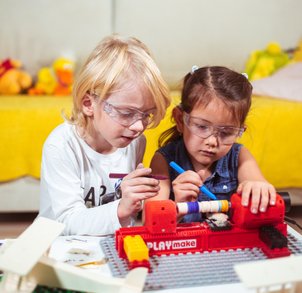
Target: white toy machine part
274 275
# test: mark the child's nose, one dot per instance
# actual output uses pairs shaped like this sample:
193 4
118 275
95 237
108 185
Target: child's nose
138 126
213 139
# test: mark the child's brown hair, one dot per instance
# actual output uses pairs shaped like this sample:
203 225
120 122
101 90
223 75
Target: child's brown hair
203 84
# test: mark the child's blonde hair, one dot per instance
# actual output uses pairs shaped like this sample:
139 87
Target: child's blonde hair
112 63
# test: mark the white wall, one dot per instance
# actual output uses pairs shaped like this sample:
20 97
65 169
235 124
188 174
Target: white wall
180 33
39 31
208 32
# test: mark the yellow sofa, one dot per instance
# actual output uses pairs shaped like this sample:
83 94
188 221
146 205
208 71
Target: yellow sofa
274 135
25 122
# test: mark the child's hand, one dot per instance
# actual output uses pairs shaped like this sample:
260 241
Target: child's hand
262 193
135 188
186 186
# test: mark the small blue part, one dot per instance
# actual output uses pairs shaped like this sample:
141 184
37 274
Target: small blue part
193 207
219 206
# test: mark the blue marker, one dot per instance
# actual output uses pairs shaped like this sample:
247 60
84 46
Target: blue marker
202 188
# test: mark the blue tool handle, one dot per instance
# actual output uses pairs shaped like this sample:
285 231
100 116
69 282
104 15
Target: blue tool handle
207 192
176 167
202 188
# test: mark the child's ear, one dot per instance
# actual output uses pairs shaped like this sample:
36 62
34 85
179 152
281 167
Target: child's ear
88 105
178 117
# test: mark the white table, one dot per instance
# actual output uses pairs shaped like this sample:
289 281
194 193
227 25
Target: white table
63 244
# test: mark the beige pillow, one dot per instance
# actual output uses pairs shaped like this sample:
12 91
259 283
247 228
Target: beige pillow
285 83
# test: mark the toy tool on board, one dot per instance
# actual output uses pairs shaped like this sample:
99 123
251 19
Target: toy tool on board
163 235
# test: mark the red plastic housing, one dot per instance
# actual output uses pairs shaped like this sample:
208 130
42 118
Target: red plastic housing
163 235
242 217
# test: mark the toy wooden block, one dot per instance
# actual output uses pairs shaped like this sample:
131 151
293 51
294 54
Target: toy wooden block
22 254
25 266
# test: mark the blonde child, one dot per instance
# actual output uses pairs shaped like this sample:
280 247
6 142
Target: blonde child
118 94
214 104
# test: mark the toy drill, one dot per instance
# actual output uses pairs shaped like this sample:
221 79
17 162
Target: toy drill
161 233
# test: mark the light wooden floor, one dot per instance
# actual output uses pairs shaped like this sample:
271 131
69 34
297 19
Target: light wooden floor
13 224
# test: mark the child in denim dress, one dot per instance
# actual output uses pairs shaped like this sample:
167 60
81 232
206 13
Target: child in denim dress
214 104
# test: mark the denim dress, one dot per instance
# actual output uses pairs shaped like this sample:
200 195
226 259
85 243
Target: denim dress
224 179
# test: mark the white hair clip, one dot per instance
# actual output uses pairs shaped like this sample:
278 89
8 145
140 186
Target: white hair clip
194 68
245 75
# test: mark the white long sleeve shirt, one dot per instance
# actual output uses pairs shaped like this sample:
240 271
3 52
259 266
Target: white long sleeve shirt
75 178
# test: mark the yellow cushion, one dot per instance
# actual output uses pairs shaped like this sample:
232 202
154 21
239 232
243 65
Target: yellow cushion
274 135
25 124
152 135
